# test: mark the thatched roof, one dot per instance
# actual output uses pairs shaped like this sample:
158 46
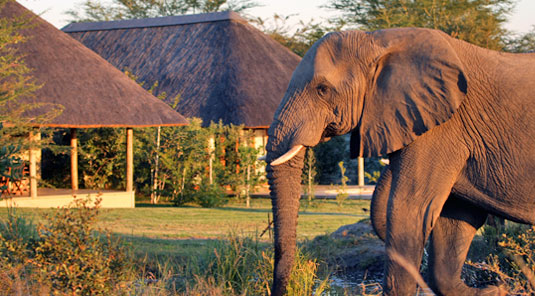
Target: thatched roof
92 91
219 65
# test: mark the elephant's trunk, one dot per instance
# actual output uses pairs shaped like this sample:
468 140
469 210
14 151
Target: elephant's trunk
285 186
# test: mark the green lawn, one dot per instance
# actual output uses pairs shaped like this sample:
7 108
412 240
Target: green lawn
194 222
167 230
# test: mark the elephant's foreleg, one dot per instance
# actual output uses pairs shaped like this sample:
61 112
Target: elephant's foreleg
379 203
450 241
421 184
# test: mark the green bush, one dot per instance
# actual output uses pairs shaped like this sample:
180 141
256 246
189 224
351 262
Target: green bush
244 266
513 263
75 258
342 194
16 245
70 255
210 196
19 232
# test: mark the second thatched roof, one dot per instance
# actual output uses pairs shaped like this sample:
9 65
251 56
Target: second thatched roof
219 66
92 91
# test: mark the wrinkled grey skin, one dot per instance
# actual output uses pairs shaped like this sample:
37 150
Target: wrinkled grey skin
456 121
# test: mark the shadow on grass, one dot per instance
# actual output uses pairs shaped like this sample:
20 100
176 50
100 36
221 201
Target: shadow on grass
160 205
302 212
250 210
246 210
179 249
332 214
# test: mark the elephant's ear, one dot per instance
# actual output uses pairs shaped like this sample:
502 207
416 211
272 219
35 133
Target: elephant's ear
418 84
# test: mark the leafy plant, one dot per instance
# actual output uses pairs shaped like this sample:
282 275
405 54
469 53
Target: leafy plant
210 195
521 42
102 158
513 262
298 38
250 177
520 252
328 155
235 159
342 194
243 266
17 226
69 254
309 174
74 258
373 167
18 236
16 86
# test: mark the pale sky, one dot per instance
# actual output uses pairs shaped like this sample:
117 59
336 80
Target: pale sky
521 21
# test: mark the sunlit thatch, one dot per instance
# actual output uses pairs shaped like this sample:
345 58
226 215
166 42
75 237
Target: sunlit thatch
219 65
92 91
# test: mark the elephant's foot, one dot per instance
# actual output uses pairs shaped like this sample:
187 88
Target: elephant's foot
406 276
459 288
493 290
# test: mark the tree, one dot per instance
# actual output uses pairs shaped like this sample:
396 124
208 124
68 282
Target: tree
477 21
328 156
309 174
16 82
94 10
17 85
522 43
297 38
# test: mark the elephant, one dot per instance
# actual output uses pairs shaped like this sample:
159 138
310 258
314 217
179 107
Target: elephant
456 121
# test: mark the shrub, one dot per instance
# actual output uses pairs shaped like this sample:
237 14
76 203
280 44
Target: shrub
514 262
309 174
243 266
18 227
18 237
76 259
69 256
342 194
210 196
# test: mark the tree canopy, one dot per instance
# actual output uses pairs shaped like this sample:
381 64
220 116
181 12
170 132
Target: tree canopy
94 10
522 43
16 82
297 38
477 21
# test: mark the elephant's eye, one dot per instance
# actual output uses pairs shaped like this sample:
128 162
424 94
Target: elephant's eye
322 90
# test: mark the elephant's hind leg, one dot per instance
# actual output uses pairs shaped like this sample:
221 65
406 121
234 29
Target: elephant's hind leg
450 241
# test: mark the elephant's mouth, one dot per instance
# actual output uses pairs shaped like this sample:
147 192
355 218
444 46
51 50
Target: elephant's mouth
330 131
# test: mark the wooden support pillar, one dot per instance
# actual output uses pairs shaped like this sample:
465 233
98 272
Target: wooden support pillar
155 195
33 165
361 171
74 160
129 159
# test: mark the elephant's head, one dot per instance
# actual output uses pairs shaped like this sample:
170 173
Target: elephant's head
386 87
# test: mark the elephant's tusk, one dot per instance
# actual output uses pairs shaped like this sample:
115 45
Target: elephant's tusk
287 156
262 158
